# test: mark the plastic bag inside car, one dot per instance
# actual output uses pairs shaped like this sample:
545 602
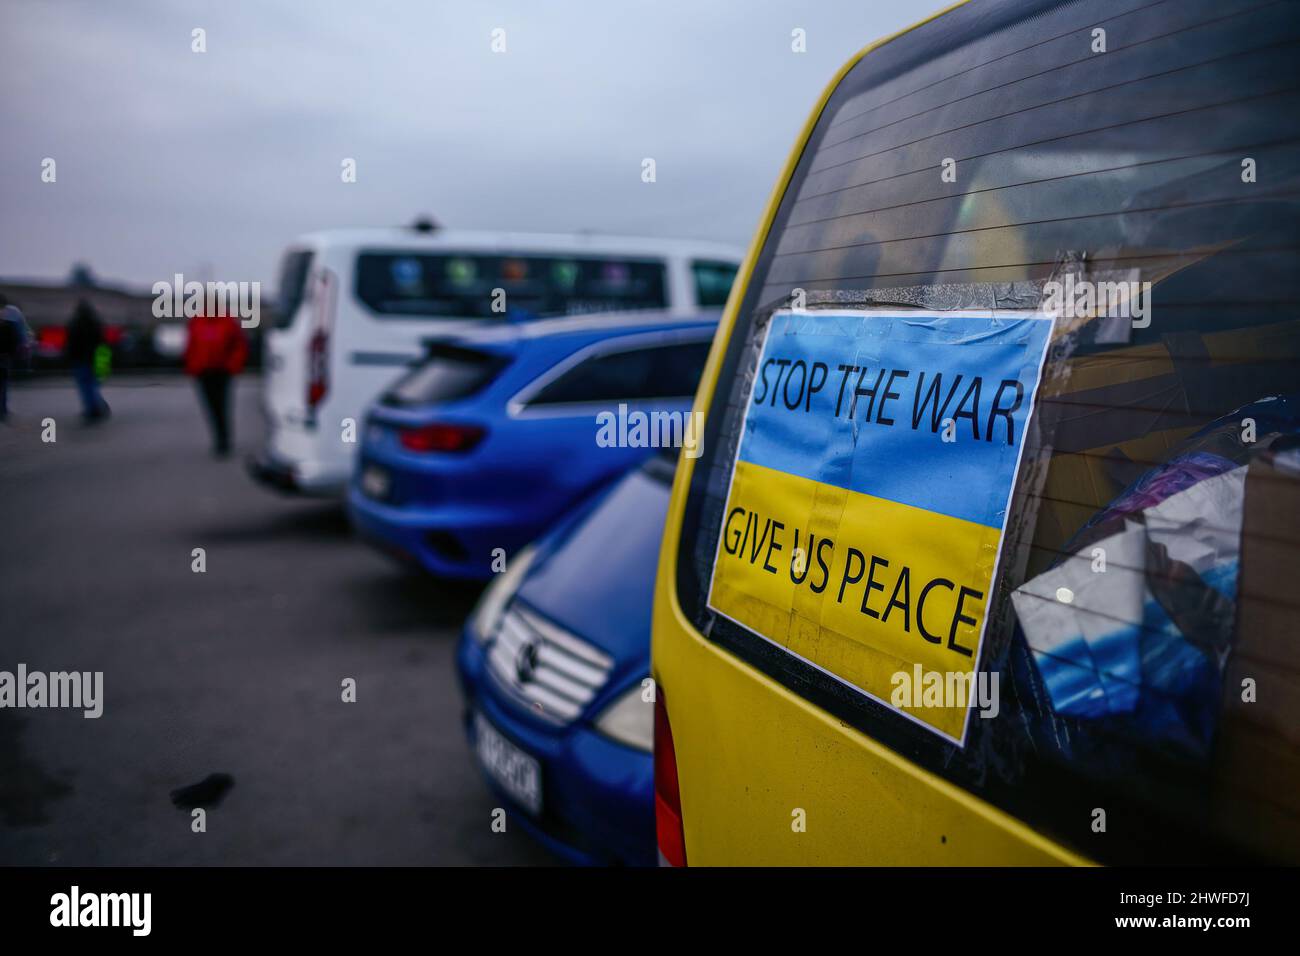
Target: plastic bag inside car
1135 625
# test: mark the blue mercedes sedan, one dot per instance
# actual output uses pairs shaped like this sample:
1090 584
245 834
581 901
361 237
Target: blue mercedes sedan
554 664
499 432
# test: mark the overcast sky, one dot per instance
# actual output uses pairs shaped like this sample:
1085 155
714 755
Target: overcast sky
174 161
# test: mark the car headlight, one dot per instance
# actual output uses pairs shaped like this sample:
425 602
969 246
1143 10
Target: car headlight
630 719
487 615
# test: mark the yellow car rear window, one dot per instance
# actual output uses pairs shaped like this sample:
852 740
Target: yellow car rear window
1130 169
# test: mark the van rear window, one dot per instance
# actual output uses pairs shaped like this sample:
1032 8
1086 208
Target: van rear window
404 285
980 162
293 282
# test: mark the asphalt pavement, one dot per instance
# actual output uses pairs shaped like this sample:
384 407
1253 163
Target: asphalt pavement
237 670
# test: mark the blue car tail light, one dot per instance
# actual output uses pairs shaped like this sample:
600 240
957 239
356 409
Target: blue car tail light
441 437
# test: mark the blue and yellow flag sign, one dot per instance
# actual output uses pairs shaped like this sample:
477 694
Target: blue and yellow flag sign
869 497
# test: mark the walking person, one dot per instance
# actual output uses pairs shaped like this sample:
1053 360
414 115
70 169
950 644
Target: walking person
85 335
214 355
15 348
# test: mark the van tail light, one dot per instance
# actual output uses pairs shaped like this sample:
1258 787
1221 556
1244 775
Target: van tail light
318 367
441 436
668 796
324 297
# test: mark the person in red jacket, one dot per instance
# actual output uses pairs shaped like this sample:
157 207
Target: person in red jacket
215 353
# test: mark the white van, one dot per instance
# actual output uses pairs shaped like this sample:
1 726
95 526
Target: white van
357 307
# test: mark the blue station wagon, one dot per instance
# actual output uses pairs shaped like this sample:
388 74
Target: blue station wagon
476 451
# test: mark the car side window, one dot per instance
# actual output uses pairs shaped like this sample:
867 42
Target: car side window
395 285
643 374
712 282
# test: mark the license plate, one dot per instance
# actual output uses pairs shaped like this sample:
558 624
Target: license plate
518 774
375 481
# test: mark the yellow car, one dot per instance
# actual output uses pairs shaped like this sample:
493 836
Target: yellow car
989 554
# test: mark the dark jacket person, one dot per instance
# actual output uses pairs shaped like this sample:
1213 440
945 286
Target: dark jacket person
85 333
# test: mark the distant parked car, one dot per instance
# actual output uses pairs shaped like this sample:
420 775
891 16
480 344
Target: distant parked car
482 447
553 665
357 308
129 347
169 339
